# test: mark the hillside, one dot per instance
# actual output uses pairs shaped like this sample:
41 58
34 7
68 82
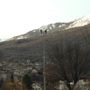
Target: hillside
31 48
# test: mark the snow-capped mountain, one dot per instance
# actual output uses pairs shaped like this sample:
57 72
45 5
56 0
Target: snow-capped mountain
54 27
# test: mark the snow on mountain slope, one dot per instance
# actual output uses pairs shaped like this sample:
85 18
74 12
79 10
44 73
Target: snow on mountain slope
54 27
80 22
36 32
18 37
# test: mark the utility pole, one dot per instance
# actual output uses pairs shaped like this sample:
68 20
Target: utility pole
44 32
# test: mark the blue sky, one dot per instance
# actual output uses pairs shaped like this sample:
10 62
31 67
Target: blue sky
20 16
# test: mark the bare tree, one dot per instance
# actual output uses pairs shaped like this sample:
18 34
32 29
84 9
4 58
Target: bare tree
73 61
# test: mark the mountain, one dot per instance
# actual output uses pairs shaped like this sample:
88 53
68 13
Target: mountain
54 27
30 45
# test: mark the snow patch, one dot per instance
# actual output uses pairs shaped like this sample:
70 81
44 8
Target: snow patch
50 28
21 37
62 25
17 38
53 25
44 27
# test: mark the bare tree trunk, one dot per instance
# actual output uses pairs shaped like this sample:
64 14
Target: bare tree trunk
70 87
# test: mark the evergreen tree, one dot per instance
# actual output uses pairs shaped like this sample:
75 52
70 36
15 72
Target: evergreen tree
27 81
